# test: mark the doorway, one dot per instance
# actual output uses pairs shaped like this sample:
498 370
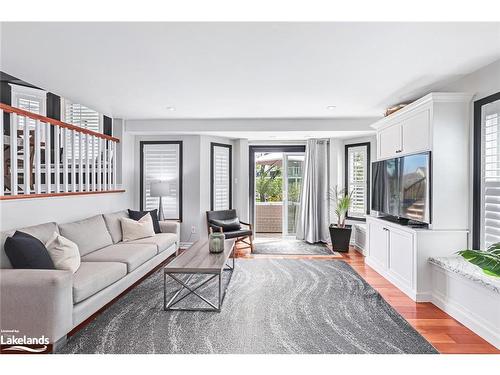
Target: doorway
276 174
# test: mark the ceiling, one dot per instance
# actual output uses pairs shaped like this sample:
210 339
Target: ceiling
244 70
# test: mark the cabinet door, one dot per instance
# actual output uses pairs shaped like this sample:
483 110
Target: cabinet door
377 237
390 141
416 133
401 256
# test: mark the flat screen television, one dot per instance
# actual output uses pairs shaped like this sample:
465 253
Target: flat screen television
401 187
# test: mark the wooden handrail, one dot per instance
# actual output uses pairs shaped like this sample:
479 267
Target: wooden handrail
34 116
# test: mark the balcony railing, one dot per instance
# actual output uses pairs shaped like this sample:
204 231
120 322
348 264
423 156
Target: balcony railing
44 157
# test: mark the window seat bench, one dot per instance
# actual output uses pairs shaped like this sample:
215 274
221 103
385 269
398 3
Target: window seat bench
462 290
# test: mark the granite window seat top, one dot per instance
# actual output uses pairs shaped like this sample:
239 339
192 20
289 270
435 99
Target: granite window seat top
459 265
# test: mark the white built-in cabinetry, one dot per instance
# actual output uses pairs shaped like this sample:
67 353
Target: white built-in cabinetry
400 253
439 123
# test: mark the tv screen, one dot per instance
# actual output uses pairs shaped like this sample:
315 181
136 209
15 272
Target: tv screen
414 171
400 187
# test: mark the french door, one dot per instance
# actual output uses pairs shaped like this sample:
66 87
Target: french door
284 166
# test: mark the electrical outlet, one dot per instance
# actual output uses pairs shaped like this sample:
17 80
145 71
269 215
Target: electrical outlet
193 229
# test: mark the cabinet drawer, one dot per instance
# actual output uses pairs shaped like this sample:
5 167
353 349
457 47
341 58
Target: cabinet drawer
401 256
416 133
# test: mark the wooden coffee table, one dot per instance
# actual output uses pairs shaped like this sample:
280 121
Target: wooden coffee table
197 260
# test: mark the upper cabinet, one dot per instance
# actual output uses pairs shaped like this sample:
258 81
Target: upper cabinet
389 141
416 133
410 135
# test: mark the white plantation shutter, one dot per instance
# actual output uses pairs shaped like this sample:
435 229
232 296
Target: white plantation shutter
221 194
31 100
491 174
357 179
161 162
83 117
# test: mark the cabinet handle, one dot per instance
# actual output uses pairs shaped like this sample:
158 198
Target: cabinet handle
387 230
398 151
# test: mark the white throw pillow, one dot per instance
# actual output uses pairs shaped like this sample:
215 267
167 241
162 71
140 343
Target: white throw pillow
135 229
63 252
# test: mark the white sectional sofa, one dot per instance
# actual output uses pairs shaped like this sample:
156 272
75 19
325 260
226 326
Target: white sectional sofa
53 302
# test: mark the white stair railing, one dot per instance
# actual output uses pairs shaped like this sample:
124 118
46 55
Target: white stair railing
46 157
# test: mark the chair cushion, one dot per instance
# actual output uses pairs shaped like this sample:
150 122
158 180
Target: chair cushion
42 231
238 233
27 252
137 215
133 255
228 225
90 234
93 277
162 241
114 225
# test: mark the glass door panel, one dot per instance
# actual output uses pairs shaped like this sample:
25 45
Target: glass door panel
292 185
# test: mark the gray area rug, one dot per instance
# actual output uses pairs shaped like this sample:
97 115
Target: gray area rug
290 247
271 306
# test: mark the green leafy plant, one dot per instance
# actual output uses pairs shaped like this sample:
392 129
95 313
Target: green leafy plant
342 202
488 260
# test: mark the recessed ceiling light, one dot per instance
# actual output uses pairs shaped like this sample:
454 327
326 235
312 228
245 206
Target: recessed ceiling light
171 108
330 107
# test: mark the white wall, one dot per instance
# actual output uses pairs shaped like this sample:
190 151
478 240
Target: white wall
25 212
482 82
195 179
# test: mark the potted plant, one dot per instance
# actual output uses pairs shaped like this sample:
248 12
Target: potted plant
488 260
340 233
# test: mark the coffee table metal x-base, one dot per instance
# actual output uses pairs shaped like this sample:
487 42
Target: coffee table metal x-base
192 289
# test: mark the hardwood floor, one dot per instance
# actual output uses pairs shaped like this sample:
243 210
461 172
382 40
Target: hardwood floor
445 333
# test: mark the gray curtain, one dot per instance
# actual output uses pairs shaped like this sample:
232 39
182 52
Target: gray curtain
312 224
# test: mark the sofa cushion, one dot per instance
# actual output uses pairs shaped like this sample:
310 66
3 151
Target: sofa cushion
113 224
137 229
89 234
43 232
64 253
27 252
93 277
137 215
162 241
133 255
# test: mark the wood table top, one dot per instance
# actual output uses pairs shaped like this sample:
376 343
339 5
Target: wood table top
197 259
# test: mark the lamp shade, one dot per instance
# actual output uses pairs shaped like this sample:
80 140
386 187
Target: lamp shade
159 189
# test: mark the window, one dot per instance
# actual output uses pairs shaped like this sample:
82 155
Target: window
162 161
29 99
83 117
486 226
220 176
357 177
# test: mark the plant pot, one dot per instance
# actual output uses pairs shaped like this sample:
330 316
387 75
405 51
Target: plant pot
340 237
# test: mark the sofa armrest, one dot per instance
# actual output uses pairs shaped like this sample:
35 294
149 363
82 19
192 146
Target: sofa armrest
36 302
167 226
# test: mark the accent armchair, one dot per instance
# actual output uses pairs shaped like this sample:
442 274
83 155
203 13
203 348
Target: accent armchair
226 221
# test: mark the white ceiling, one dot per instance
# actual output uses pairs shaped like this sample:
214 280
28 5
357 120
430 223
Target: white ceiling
244 70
